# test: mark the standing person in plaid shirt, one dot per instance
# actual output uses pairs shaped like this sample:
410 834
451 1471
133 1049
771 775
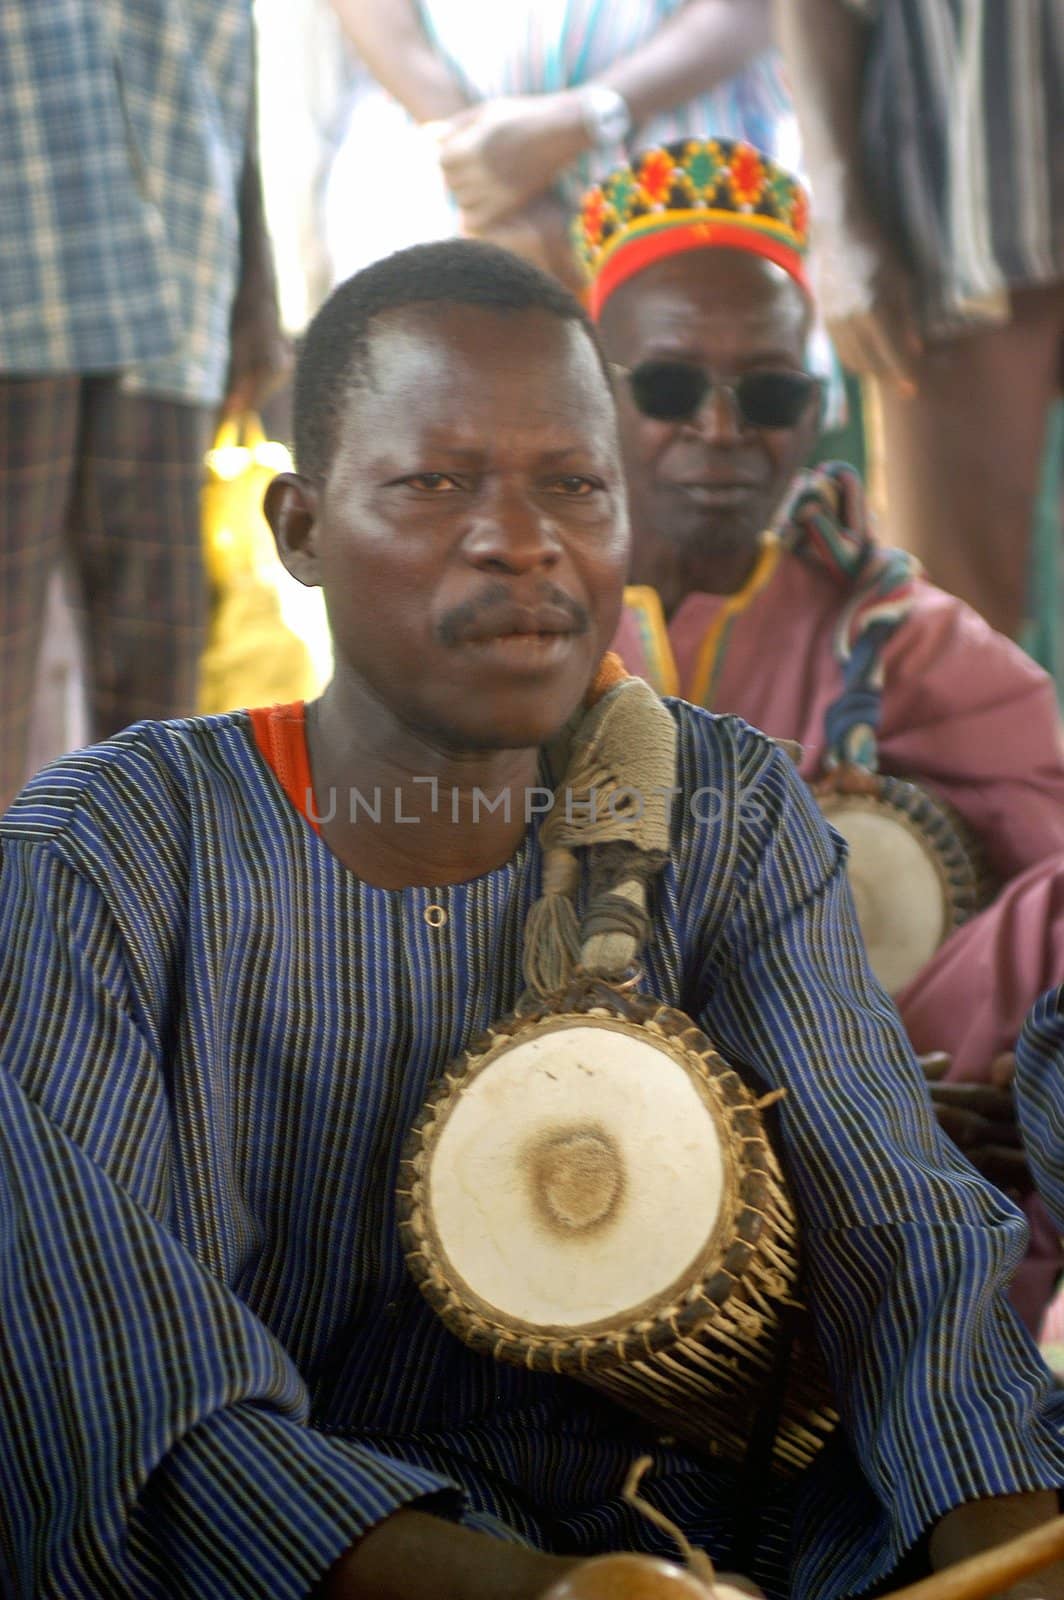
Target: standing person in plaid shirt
136 293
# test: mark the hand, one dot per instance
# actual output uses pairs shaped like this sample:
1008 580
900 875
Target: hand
980 1118
538 233
260 354
846 780
414 1556
647 1578
499 155
866 297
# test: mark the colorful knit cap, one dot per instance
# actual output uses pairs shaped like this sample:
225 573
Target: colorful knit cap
690 195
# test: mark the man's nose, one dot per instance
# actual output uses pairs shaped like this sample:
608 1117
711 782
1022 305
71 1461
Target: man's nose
718 419
512 533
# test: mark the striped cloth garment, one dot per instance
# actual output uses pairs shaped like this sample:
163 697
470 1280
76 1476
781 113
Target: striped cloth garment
123 129
215 1371
1039 1088
1039 1091
962 103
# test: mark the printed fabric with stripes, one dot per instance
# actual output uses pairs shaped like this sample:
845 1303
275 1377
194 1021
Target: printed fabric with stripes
215 1370
961 110
1039 1089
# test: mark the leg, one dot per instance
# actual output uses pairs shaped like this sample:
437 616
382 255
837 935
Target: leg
963 455
138 552
39 430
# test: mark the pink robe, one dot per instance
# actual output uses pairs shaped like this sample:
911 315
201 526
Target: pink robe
967 713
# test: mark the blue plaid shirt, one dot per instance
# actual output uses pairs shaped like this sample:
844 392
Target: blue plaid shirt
216 1371
122 134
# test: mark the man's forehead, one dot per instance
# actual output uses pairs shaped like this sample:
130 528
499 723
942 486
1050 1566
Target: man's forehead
469 380
726 292
495 345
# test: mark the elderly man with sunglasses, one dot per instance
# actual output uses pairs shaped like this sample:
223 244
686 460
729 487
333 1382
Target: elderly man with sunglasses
759 588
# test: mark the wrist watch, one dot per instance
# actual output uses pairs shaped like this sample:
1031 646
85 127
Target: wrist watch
606 116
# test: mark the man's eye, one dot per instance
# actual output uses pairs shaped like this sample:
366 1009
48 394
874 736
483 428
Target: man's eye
575 486
431 482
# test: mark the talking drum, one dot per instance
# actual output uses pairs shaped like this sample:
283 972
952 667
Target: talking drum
914 872
590 1191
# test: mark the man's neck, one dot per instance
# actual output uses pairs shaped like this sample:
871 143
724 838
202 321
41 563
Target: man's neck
676 571
400 812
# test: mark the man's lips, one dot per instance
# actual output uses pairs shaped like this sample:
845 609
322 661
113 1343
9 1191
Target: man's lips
716 491
715 483
520 622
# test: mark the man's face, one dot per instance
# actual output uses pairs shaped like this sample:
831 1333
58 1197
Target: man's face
472 533
711 482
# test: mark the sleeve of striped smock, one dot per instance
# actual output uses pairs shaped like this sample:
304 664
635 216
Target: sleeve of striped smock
907 1249
152 1432
1039 1089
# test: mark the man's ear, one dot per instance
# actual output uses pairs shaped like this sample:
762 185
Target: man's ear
291 507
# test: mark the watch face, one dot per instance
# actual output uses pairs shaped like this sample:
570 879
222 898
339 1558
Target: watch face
606 115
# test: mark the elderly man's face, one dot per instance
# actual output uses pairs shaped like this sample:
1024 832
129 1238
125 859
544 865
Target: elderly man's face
472 534
712 481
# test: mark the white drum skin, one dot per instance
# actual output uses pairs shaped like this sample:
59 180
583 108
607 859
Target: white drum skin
590 1190
604 1169
914 869
897 891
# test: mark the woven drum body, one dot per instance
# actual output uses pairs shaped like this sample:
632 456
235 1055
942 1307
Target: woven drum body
915 871
590 1191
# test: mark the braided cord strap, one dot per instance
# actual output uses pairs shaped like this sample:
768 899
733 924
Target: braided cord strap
614 801
827 524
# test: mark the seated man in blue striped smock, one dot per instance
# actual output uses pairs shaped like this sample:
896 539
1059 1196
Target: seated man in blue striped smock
237 953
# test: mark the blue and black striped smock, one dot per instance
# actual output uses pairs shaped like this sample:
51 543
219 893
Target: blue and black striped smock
215 1371
1039 1088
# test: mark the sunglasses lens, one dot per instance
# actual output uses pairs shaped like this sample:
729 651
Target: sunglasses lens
668 391
774 399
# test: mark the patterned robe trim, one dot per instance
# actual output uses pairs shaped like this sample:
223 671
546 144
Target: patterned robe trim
826 523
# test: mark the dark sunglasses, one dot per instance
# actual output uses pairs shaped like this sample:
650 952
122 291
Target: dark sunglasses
675 391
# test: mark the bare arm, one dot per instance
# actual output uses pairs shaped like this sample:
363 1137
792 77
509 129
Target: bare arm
390 37
259 354
699 46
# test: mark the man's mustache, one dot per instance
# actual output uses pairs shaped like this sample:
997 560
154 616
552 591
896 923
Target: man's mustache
476 617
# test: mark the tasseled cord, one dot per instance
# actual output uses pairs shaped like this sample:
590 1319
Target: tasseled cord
625 747
552 934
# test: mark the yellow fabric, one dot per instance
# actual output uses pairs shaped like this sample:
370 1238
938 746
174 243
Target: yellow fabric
709 650
252 657
645 603
662 671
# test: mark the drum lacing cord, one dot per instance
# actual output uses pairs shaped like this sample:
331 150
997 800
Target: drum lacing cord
827 525
614 800
761 1445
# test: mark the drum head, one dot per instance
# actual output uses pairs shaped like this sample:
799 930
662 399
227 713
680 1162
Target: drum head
605 1168
572 1188
590 1191
913 877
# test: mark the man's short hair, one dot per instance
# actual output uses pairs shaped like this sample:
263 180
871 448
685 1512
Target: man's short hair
461 272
